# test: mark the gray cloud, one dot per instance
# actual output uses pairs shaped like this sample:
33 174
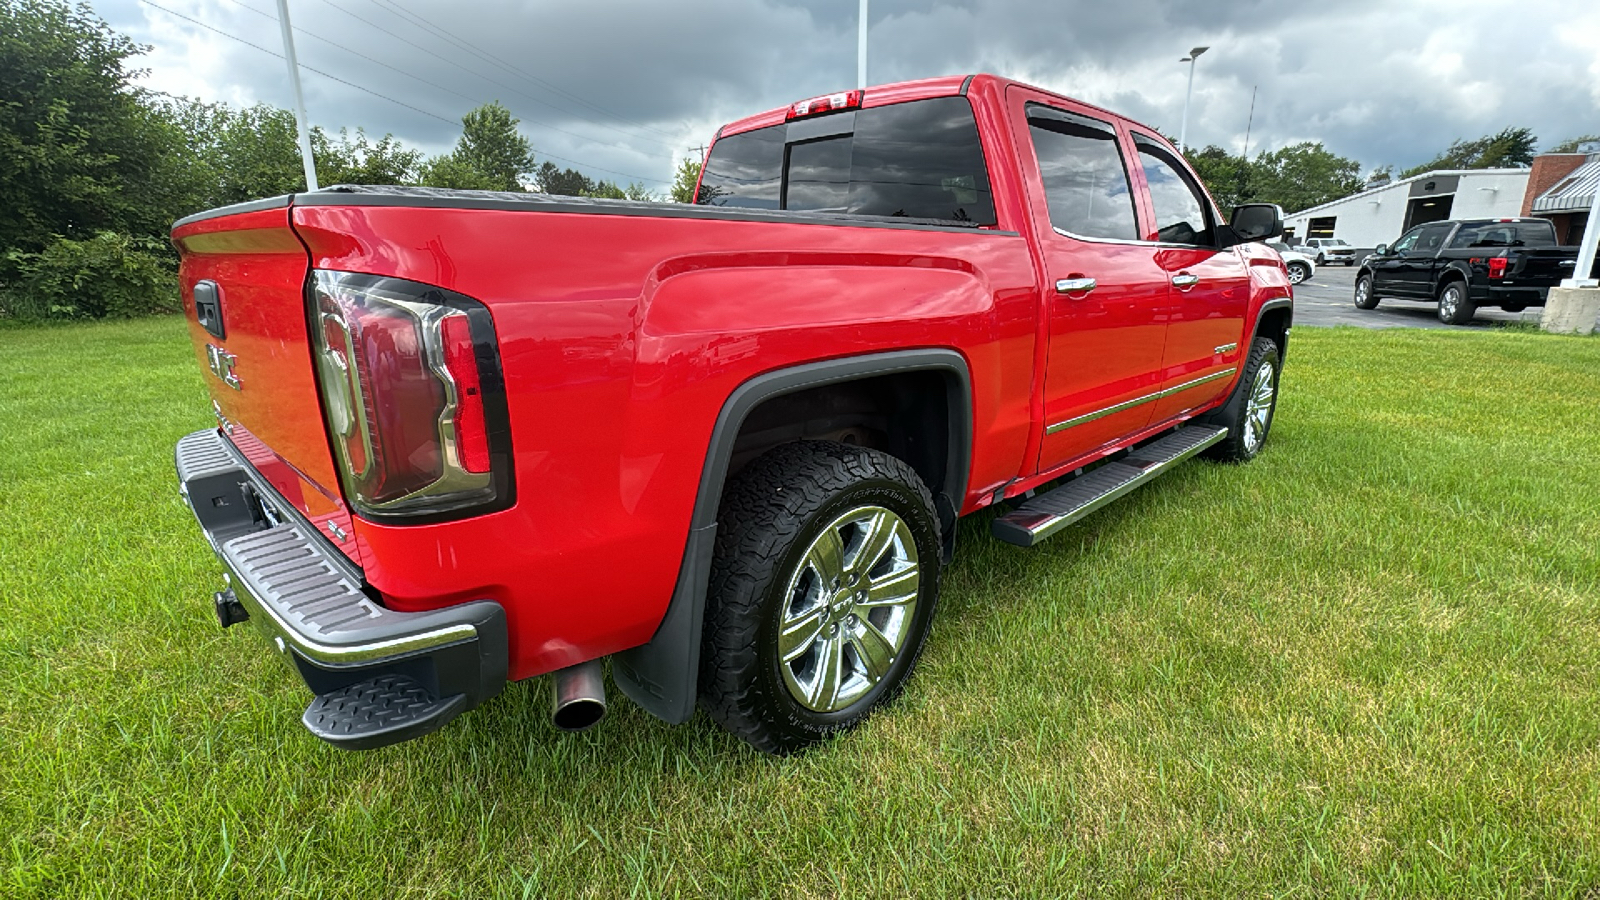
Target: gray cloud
629 87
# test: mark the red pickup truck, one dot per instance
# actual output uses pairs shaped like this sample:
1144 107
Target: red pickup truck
468 437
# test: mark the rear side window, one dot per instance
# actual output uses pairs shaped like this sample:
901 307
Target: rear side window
1085 181
919 160
1505 234
1431 238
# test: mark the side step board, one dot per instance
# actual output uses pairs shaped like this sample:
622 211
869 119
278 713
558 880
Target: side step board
1048 513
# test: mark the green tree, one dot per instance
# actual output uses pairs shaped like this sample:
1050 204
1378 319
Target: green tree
1302 175
684 180
80 151
552 179
490 154
1570 145
609 190
347 160
1510 147
1224 174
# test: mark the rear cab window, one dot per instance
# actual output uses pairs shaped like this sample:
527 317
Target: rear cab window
921 159
1504 234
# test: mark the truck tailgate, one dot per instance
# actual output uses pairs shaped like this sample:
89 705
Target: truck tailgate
1545 267
243 281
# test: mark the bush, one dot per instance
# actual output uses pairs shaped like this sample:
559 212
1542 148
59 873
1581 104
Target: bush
110 275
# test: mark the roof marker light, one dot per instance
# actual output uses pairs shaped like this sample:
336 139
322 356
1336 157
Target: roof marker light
830 103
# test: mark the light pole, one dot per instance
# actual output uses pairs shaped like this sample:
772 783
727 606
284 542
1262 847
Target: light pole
1183 132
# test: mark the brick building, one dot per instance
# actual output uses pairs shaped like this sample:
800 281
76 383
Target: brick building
1561 188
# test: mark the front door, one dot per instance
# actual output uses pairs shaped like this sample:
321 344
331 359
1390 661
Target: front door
1105 295
1210 287
1413 267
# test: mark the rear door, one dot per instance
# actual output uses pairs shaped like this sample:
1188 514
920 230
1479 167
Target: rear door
1210 286
1104 294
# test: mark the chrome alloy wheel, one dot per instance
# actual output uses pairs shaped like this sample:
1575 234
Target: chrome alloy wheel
1449 303
849 607
1258 409
1297 274
1363 290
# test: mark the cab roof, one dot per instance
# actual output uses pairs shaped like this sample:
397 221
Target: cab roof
920 89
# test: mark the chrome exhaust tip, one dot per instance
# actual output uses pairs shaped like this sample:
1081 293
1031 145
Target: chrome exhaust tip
580 697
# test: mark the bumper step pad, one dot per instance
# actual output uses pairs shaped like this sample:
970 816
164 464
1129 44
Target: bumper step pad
381 710
1050 512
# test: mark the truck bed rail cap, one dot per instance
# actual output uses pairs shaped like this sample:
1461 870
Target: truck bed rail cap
449 198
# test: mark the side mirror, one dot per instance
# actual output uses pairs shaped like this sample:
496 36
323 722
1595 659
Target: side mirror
1381 250
1256 222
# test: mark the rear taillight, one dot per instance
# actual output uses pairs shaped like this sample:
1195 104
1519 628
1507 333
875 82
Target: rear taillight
413 397
1497 266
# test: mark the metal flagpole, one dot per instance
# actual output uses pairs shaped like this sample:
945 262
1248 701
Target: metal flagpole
299 98
861 48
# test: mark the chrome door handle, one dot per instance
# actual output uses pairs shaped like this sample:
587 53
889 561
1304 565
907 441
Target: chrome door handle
1185 280
1075 285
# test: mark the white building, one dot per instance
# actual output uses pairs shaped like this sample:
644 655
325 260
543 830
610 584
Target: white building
1379 215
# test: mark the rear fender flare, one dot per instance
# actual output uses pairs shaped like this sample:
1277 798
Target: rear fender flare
662 676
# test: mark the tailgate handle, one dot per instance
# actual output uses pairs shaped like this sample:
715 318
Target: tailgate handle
208 308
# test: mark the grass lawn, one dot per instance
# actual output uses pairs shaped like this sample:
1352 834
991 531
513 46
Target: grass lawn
1366 663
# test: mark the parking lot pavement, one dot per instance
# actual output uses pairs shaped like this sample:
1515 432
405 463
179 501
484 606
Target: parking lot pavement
1325 300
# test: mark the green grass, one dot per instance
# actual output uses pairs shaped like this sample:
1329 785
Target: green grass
1368 663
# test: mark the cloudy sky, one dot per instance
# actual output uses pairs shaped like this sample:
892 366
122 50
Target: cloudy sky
624 88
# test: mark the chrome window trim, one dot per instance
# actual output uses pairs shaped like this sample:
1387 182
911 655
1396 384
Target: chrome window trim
1139 401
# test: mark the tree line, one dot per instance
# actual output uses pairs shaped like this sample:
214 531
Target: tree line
1300 176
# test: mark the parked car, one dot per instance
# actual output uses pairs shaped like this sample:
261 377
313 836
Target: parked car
1299 265
469 437
1330 250
1466 264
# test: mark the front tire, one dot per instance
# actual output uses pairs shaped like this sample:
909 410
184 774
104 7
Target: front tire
822 590
1455 307
1366 297
1298 272
1249 412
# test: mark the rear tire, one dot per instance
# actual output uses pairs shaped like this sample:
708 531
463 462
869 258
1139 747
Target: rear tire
1366 298
1249 411
1455 307
822 590
1298 272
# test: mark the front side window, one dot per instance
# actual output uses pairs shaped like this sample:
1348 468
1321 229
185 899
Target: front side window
1406 241
919 160
1180 210
1085 182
